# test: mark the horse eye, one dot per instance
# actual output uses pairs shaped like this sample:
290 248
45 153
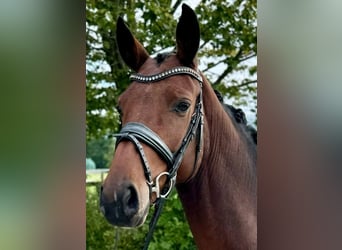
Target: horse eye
182 107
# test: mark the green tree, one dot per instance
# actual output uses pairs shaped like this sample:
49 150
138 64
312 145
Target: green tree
100 151
228 41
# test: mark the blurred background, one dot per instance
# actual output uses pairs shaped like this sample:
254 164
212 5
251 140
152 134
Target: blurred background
299 124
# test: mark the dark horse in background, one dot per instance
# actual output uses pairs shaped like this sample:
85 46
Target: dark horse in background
176 131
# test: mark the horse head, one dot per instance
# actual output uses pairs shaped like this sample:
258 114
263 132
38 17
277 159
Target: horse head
161 112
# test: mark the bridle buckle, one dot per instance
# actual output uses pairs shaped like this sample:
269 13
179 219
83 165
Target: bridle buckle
156 188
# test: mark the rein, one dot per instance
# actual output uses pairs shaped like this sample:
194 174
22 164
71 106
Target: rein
137 132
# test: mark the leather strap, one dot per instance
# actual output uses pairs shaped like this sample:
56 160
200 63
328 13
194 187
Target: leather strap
146 135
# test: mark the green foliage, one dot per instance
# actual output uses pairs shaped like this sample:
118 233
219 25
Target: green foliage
172 231
100 235
100 151
228 42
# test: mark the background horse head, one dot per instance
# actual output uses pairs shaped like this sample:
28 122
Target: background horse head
162 110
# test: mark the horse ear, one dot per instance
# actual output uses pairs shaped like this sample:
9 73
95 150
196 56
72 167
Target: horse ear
187 36
131 50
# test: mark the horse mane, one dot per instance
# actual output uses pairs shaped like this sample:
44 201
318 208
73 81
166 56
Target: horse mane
217 113
240 120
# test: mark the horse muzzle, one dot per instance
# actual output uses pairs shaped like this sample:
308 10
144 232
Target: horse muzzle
122 208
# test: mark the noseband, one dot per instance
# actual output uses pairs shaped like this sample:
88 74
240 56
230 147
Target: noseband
137 132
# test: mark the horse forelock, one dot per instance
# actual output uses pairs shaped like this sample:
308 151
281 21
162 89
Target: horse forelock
160 58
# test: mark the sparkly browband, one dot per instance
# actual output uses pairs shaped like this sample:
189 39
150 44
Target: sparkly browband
171 72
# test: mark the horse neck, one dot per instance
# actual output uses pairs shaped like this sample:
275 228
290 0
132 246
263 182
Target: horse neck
220 201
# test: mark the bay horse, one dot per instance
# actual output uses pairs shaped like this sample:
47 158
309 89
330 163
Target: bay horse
175 132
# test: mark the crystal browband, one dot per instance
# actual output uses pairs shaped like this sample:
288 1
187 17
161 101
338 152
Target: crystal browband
171 72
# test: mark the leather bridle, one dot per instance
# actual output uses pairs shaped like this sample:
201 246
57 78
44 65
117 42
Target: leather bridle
137 132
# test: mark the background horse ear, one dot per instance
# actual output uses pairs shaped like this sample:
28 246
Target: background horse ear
187 36
131 50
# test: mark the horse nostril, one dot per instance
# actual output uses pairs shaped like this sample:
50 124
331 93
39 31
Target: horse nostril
133 199
120 206
130 201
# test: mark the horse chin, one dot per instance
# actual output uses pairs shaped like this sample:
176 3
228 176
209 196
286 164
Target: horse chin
136 221
140 221
140 218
